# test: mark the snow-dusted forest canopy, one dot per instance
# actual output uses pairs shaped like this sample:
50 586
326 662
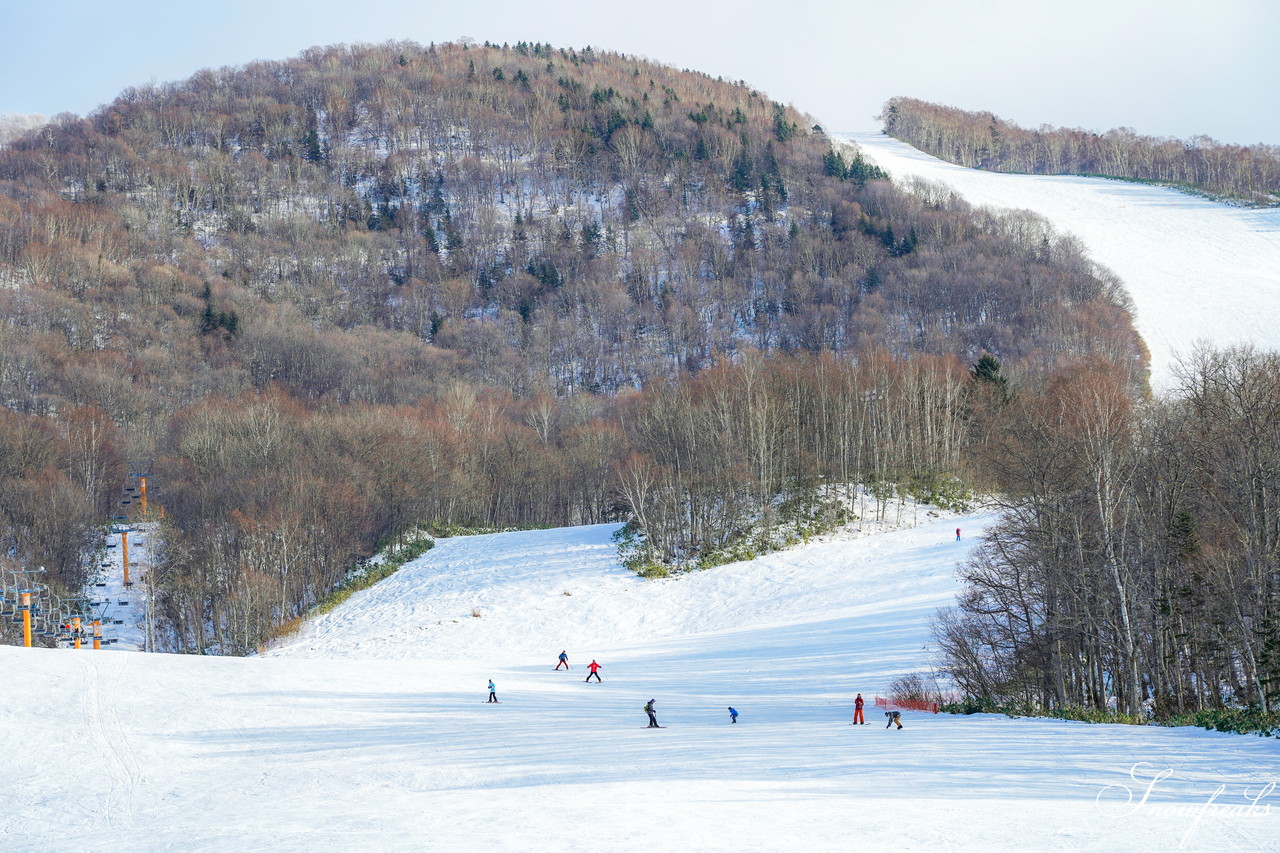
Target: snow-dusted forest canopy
13 125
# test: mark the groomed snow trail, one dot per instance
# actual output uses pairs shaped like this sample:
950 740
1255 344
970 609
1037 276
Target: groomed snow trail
1196 270
370 731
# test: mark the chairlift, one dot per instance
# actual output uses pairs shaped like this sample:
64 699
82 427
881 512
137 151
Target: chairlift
123 603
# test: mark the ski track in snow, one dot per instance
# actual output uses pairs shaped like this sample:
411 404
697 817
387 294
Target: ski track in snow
1196 270
370 730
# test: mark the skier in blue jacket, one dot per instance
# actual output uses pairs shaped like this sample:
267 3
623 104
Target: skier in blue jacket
733 715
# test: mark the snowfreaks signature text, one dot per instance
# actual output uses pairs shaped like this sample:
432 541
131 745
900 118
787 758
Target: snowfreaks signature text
1146 779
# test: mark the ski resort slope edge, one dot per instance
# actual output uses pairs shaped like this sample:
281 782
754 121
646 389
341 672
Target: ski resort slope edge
1197 270
371 730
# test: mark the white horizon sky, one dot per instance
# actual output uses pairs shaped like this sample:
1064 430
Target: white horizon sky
1172 68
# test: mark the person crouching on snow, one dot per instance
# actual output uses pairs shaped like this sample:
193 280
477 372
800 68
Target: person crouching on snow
894 717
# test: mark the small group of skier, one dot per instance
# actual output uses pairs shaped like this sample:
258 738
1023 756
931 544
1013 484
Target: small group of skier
893 716
594 669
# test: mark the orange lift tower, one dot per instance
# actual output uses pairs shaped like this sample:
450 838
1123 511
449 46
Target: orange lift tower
26 619
142 492
124 554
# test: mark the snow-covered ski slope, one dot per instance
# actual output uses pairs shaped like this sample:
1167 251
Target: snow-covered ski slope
370 731
1196 270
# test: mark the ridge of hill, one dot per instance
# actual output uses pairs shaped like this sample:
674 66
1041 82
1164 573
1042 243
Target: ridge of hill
1248 174
367 224
1197 271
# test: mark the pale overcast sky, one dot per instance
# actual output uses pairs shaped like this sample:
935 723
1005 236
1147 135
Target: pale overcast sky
1167 68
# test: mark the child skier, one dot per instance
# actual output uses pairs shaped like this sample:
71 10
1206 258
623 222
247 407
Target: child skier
595 670
894 717
653 720
493 697
564 661
733 715
857 711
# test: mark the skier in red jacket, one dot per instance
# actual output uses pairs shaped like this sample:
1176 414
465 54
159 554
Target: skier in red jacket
595 670
857 711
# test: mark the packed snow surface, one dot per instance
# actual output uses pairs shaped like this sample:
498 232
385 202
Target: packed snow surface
1197 270
370 731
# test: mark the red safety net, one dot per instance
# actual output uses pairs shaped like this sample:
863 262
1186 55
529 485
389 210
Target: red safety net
907 705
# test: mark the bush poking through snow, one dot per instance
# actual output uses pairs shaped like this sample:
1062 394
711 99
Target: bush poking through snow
915 687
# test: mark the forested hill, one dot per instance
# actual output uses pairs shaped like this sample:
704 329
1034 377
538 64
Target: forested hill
377 218
232 273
